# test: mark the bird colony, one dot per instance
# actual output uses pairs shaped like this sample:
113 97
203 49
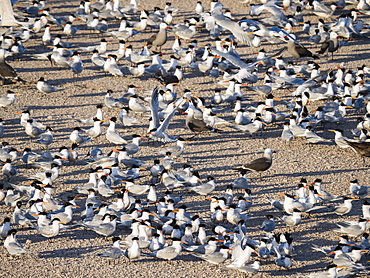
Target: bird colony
184 139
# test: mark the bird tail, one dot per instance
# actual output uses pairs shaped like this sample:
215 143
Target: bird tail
318 248
20 80
239 169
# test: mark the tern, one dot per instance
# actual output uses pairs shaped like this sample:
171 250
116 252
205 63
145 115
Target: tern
12 245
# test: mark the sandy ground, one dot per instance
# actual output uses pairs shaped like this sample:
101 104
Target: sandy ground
73 252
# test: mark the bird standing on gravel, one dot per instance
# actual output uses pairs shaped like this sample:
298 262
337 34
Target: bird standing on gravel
6 71
176 150
44 87
170 252
12 245
9 99
108 227
205 188
133 252
159 39
331 45
51 230
114 252
111 66
47 137
260 164
9 170
312 137
360 191
96 130
298 51
344 208
112 135
76 138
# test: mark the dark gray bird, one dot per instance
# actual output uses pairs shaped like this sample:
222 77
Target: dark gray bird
362 148
331 45
298 51
6 71
197 125
260 164
159 39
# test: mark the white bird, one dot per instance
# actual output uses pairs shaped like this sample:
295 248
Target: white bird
66 215
114 252
5 228
96 130
76 138
90 121
230 25
51 230
111 66
135 106
47 137
133 147
126 119
107 227
20 217
69 30
26 116
32 130
354 229
133 252
294 219
43 87
12 245
112 135
358 190
8 99
76 64
170 252
177 150
96 59
136 189
157 130
205 188
312 137
286 135
46 37
9 170
110 101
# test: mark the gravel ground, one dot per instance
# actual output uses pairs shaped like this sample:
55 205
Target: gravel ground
73 252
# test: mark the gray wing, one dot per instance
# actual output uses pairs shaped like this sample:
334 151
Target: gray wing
113 252
279 30
169 117
309 83
268 57
230 25
232 59
154 106
239 63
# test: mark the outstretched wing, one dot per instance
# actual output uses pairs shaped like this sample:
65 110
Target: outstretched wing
154 107
230 25
169 117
